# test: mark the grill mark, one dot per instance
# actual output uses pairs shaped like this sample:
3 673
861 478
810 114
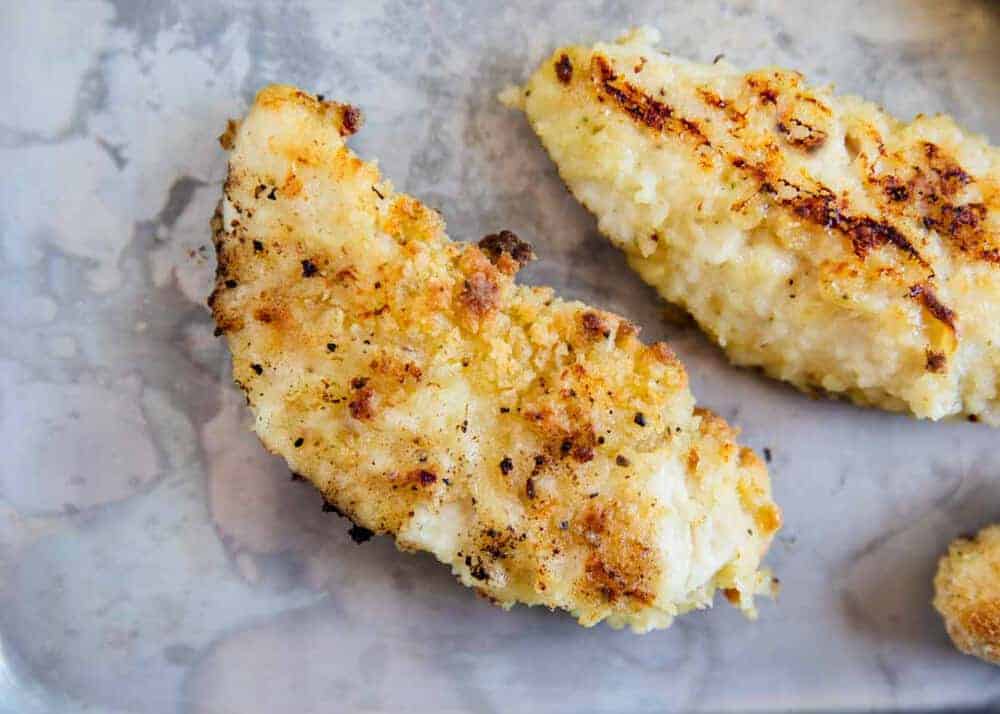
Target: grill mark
924 294
639 105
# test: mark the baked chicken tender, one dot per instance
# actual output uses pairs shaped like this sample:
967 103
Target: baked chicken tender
534 445
811 235
967 593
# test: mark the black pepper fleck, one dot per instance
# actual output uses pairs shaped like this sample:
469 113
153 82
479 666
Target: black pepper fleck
299 442
258 246
309 269
230 284
621 460
257 368
331 346
767 454
506 465
640 419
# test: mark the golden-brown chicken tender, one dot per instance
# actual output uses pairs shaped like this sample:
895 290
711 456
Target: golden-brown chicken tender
534 445
967 593
812 235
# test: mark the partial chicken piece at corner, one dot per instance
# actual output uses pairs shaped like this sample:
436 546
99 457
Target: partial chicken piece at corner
812 235
967 594
535 446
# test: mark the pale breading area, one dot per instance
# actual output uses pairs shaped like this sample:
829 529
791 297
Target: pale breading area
967 593
534 445
812 235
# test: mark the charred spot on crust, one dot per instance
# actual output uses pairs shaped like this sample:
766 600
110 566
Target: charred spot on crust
362 406
350 120
495 245
583 453
895 189
359 382
479 572
422 476
564 69
923 293
936 361
595 325
360 534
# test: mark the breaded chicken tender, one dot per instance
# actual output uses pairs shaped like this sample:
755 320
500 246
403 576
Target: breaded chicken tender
967 593
534 445
812 235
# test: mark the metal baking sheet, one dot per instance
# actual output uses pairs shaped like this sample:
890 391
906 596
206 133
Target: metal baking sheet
154 559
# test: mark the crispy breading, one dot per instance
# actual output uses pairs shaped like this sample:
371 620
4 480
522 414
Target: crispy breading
812 235
967 593
534 445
